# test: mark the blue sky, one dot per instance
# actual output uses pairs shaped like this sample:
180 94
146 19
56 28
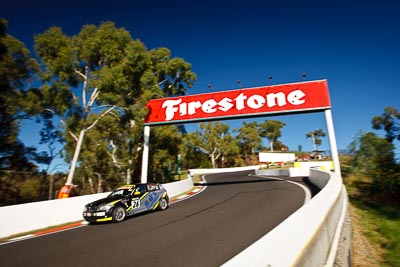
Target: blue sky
355 45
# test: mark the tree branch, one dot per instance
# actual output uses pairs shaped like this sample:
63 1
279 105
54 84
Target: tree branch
73 136
99 118
114 159
93 97
84 76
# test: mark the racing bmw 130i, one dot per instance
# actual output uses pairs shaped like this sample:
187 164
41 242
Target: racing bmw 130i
126 201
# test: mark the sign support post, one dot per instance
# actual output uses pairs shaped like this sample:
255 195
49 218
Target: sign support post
332 141
145 157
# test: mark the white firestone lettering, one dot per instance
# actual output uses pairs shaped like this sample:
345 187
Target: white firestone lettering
294 97
193 106
209 106
183 109
256 101
170 108
271 99
225 104
241 101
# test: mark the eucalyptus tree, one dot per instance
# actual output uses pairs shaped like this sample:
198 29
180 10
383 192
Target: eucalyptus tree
214 140
104 162
191 156
103 72
164 150
315 137
388 121
249 138
16 70
19 179
271 129
230 150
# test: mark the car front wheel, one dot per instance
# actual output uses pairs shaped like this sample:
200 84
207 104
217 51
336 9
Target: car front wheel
118 214
163 204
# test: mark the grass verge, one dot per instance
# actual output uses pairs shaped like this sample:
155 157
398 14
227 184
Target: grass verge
380 224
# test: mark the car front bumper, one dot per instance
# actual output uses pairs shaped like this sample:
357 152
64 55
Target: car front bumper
97 216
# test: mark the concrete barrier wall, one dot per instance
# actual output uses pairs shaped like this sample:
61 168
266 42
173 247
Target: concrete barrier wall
221 170
320 179
17 219
273 172
27 217
319 165
301 169
179 187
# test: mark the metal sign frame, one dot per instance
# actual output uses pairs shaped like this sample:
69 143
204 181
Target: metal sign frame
293 98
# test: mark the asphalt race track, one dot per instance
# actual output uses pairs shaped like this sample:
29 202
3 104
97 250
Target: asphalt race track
205 230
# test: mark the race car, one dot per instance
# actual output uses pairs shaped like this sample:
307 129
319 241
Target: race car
126 201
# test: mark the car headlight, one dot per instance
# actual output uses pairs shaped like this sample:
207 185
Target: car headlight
104 207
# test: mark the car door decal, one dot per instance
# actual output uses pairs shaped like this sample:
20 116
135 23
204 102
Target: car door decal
144 195
151 200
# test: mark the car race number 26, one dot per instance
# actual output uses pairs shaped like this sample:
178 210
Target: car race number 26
135 203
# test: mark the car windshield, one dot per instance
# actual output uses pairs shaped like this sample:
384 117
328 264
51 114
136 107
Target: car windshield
121 192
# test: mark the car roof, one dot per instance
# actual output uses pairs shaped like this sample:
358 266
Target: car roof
127 186
131 186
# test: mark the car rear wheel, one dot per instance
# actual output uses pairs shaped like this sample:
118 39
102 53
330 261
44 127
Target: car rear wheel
163 204
118 214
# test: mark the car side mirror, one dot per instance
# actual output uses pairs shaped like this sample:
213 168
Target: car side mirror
137 193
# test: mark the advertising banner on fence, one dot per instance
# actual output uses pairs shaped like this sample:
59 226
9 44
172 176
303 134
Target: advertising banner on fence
246 102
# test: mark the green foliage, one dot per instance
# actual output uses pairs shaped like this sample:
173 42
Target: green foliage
249 138
164 148
271 129
373 158
16 69
315 137
214 140
390 122
193 157
96 83
18 187
116 75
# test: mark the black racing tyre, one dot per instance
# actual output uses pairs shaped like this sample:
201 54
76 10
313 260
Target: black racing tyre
163 205
118 214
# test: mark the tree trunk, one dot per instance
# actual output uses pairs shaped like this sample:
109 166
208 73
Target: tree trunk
91 186
99 182
314 142
51 186
76 156
213 160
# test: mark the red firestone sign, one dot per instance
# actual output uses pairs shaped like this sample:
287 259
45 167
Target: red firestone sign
248 102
